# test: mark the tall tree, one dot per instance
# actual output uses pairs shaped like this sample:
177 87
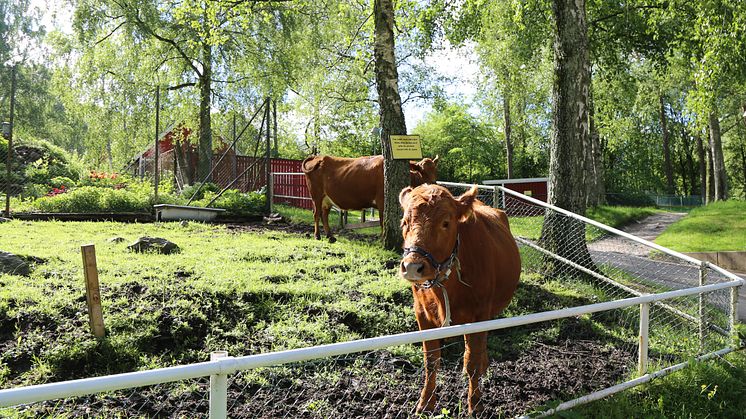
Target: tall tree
667 165
395 173
719 174
571 132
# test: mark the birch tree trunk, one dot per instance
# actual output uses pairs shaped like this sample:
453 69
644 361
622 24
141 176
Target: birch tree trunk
720 177
205 128
570 135
508 137
395 172
594 156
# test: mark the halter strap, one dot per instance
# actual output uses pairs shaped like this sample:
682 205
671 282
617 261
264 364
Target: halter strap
442 271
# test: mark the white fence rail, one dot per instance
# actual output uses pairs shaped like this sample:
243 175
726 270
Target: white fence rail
664 303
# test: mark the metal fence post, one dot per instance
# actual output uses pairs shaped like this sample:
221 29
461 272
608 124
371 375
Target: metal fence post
642 359
734 313
495 198
218 390
701 306
271 187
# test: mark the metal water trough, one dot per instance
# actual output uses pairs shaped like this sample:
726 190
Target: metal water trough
168 212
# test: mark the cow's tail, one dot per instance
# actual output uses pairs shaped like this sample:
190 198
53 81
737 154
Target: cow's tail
311 163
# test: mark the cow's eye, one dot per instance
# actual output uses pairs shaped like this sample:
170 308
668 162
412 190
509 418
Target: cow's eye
446 224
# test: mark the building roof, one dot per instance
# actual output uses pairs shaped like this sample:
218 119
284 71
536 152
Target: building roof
524 180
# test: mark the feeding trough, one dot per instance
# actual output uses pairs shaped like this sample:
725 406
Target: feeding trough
168 212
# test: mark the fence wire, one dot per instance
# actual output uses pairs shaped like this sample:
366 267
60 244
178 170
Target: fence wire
530 366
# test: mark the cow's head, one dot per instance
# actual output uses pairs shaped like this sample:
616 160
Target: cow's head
427 168
430 223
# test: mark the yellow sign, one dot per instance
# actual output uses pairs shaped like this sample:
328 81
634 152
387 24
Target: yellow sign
406 147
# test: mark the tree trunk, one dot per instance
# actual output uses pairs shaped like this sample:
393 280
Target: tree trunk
395 172
702 168
743 167
594 158
710 178
205 130
508 138
570 135
720 177
667 165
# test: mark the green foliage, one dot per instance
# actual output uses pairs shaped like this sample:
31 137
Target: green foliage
467 146
236 202
706 389
88 199
188 191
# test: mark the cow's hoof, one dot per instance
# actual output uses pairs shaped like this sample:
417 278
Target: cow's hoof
318 237
332 239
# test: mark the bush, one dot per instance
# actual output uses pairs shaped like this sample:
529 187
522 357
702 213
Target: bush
189 190
91 199
236 203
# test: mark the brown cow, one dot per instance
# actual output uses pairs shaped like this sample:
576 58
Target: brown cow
353 184
462 261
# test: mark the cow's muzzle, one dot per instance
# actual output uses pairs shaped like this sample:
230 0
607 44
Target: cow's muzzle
415 271
412 271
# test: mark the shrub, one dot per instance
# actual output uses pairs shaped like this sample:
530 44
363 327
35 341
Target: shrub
92 199
236 203
189 190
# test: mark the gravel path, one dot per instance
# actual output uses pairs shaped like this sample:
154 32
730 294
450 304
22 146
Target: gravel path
634 258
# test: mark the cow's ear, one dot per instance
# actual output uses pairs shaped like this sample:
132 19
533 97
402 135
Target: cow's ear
435 160
404 196
466 204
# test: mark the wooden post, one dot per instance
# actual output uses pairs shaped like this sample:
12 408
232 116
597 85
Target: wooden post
642 359
92 293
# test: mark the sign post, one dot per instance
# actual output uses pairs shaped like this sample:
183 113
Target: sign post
406 147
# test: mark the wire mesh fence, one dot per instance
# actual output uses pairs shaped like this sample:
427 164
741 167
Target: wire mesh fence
530 367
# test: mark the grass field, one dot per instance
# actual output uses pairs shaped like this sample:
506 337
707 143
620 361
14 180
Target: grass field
720 226
252 290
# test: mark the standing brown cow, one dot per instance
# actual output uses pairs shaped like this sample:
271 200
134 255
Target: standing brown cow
462 261
353 184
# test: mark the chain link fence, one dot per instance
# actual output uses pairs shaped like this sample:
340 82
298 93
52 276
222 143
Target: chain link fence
531 366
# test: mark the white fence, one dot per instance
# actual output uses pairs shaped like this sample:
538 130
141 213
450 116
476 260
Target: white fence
660 309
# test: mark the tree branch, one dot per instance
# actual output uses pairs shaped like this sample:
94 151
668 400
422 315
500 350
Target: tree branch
144 26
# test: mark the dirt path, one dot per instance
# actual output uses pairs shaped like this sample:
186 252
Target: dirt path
652 226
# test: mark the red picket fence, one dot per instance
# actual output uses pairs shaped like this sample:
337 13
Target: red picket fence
289 184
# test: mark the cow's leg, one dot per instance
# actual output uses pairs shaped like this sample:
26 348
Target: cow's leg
475 365
428 398
317 208
327 206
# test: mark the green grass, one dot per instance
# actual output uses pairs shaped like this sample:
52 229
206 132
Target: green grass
720 226
530 227
619 216
245 292
714 389
252 292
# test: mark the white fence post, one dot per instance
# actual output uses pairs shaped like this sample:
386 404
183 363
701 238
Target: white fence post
642 359
218 390
734 313
701 309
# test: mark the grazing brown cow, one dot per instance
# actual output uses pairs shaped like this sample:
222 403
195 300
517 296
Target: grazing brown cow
353 184
463 263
